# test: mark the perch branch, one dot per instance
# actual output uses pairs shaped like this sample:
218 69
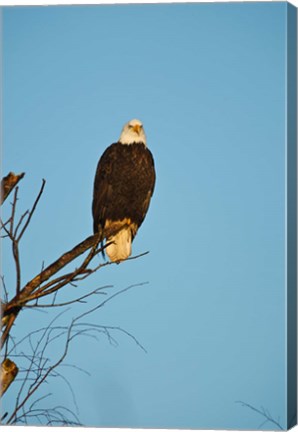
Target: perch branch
13 307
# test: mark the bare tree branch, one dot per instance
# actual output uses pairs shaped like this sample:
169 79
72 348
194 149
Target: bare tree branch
9 371
13 307
8 183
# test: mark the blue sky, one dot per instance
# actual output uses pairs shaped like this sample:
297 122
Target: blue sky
208 82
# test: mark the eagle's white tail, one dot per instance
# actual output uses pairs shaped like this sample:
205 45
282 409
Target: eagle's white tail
120 248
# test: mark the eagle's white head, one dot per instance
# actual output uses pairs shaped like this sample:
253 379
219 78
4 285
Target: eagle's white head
133 132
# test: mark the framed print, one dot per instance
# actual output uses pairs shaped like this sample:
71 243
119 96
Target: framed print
149 216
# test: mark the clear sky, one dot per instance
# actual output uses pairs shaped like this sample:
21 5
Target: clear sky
208 82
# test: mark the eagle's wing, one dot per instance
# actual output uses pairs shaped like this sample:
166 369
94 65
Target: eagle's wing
150 171
102 193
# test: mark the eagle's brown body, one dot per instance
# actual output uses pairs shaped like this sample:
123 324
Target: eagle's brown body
123 186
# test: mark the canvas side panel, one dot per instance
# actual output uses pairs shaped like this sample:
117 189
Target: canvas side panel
292 215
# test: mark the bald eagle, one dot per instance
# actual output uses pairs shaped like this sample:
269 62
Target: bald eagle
123 186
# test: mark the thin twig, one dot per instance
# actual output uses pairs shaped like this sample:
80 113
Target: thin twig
263 412
77 300
16 256
109 299
31 212
21 221
13 211
4 288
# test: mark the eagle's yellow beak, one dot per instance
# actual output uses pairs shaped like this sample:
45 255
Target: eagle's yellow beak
137 128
